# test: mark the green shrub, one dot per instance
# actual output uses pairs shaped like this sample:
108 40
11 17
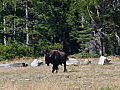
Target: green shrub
18 50
11 51
2 57
86 55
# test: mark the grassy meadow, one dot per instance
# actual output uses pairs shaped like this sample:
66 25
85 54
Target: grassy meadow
78 77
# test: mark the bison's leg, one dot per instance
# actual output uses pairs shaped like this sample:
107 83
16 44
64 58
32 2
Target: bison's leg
55 67
47 64
65 70
53 70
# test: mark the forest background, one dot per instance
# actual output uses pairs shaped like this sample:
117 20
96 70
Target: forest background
31 27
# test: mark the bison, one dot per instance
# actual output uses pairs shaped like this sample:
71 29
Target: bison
56 58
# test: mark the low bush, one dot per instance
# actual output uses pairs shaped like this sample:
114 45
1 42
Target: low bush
86 55
18 50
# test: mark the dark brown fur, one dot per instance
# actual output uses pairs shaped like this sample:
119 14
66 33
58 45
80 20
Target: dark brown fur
56 58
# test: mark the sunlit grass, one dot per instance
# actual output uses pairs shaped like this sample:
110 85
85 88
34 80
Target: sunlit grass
80 77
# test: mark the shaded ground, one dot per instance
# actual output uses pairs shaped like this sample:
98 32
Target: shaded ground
78 77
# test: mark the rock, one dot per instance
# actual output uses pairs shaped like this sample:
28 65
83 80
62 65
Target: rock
18 65
86 61
36 62
103 60
4 65
14 65
107 61
72 61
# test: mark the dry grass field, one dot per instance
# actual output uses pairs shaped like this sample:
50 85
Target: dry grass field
78 77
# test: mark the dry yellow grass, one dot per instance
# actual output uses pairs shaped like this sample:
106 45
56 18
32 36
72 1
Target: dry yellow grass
79 77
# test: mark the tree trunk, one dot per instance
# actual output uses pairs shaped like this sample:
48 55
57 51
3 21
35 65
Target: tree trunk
101 48
5 41
14 27
4 22
27 35
82 18
66 48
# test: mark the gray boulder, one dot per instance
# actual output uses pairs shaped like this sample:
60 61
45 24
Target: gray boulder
72 61
14 65
36 62
86 62
103 60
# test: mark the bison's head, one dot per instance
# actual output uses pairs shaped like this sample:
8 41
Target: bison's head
47 59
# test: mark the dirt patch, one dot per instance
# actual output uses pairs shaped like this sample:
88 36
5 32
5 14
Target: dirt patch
114 57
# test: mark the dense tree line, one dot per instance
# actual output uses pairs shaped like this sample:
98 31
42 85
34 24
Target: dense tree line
30 27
